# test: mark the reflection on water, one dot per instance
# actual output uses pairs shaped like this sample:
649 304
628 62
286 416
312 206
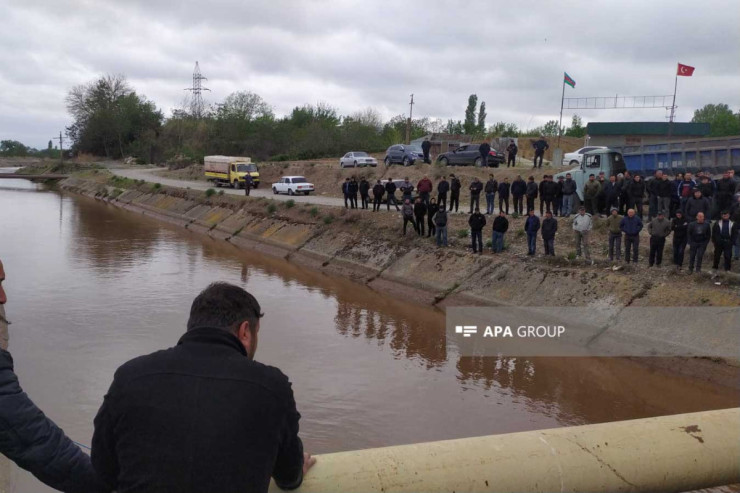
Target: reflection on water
91 286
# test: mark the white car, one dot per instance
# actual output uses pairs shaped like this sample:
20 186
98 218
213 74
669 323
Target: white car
575 158
292 185
355 159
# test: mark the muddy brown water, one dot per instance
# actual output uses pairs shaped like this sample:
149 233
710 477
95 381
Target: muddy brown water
91 286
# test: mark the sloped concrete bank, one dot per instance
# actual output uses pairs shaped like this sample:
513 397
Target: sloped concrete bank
353 247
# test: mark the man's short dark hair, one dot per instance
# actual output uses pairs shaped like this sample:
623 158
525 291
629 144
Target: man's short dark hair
224 306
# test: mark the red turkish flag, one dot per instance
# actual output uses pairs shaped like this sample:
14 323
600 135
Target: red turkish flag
685 70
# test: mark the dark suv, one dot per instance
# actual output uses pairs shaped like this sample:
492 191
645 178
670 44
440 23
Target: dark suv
403 154
469 154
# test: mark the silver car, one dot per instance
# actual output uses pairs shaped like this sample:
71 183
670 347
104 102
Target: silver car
357 158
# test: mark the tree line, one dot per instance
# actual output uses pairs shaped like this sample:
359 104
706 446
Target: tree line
111 120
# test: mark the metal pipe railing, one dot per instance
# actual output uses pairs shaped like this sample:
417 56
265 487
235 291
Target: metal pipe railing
663 454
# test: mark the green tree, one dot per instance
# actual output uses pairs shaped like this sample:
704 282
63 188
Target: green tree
470 124
111 120
482 118
13 148
722 121
576 128
454 127
504 129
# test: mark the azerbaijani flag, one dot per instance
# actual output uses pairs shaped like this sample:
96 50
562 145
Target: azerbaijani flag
569 80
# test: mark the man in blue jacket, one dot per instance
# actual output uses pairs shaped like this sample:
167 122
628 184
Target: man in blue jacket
631 225
29 438
531 227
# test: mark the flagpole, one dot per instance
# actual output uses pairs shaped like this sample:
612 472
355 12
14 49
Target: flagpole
560 125
673 107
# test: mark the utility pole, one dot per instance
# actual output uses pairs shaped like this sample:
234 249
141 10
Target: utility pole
196 103
408 122
61 148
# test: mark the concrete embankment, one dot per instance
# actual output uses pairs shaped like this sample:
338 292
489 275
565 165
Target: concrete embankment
354 246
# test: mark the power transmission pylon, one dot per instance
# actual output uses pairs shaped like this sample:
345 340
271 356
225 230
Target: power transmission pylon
196 102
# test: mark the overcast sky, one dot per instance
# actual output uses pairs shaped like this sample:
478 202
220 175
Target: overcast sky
355 55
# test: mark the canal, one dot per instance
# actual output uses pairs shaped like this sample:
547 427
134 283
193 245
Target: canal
90 286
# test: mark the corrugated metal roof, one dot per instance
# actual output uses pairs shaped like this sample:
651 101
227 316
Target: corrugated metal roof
647 128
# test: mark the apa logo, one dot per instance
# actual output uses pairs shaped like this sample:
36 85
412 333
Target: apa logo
466 330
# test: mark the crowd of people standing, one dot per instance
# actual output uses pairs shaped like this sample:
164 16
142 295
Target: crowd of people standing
682 206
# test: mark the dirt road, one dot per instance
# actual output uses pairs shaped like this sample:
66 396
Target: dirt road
150 176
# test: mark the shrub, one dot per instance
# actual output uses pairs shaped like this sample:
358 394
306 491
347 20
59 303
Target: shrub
271 208
221 192
289 204
571 255
515 215
156 186
328 219
210 192
314 211
463 233
489 243
115 193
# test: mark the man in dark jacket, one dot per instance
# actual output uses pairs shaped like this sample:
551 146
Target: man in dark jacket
32 440
664 191
540 147
611 194
631 225
484 149
248 182
518 190
531 193
407 213
591 190
390 190
476 223
490 191
353 189
455 187
500 226
569 190
475 189
558 196
725 190
549 194
420 210
699 234
364 192
443 187
549 228
696 204
503 195
425 146
511 151
659 229
407 189
724 235
679 228
203 415
432 210
345 193
531 226
378 191
636 194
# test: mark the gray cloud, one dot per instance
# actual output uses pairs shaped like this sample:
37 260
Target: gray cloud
355 55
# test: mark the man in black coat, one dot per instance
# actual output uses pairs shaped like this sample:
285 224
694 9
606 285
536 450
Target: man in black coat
353 189
699 234
475 189
364 192
345 193
476 221
443 187
390 189
29 438
484 149
511 151
425 146
540 147
203 415
549 228
455 187
518 189
724 236
680 229
378 191
503 195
